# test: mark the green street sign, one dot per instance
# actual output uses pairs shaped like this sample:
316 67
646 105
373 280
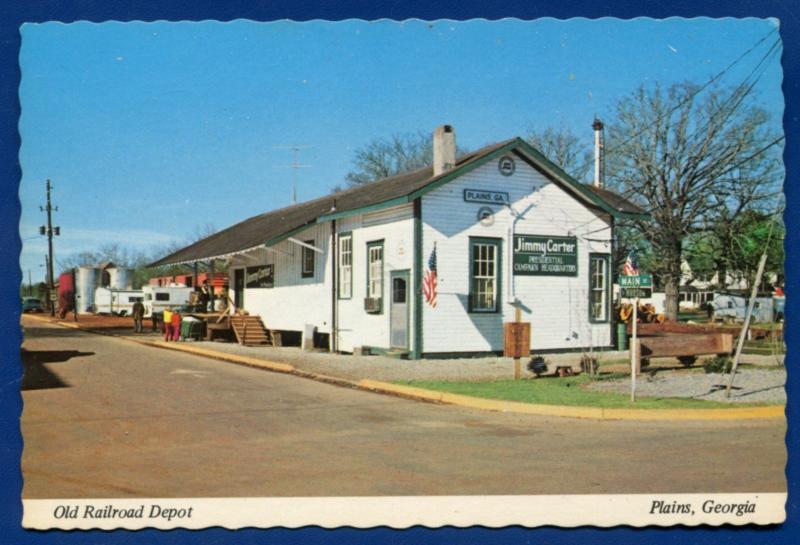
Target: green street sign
636 285
636 281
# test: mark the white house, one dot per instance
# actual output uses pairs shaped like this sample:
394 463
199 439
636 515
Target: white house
433 262
699 289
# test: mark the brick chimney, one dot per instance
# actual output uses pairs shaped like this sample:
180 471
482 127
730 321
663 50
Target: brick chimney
444 149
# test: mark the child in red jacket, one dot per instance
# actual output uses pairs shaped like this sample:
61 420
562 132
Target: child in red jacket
176 326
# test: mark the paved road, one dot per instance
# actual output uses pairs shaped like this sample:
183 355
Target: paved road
108 418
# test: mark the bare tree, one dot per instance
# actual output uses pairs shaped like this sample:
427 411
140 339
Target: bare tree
689 158
565 149
136 259
384 157
110 252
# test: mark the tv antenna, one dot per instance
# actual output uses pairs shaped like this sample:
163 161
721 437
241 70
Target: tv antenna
295 166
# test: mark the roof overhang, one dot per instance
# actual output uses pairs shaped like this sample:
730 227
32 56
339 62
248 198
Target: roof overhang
165 263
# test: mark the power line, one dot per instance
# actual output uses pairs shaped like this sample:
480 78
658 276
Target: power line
745 160
739 94
689 96
752 156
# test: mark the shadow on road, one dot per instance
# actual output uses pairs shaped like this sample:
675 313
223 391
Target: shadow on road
49 332
36 376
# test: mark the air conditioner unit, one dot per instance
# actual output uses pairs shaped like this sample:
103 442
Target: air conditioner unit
372 304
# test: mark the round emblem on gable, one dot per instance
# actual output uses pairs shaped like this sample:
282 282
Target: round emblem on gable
485 216
506 165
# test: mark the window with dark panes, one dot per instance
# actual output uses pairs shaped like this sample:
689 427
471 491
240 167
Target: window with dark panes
308 260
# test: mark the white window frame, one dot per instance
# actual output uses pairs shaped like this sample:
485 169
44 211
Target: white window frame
375 270
484 276
598 288
345 266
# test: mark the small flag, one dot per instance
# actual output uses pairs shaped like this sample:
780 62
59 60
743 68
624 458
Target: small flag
631 268
429 280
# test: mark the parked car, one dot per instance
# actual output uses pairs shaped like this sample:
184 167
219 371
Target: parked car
32 304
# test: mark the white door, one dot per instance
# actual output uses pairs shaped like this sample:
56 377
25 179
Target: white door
398 312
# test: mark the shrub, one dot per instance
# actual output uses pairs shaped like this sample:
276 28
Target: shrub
538 365
718 364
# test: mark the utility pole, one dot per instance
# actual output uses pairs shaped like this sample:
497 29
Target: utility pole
746 325
294 166
49 230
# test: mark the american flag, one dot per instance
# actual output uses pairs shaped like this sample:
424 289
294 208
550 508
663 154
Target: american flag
631 268
429 281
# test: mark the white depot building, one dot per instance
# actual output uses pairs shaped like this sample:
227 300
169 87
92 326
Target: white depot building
433 262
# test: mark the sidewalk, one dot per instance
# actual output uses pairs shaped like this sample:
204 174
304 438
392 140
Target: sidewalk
376 373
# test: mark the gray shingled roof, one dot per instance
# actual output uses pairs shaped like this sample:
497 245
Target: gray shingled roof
273 226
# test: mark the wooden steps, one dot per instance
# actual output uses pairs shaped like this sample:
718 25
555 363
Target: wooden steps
249 330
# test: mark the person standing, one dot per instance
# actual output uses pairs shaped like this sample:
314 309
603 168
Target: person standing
138 316
176 326
167 324
205 297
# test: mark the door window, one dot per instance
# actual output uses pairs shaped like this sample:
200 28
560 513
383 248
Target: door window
399 290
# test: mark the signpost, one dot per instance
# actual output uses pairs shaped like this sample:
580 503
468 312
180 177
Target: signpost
517 340
634 286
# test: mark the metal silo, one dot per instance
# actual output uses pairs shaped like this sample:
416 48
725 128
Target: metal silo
121 278
86 281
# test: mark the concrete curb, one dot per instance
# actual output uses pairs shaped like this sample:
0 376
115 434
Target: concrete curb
597 413
434 396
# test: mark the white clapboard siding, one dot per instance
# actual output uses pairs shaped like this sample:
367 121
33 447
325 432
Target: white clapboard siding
557 306
395 227
294 301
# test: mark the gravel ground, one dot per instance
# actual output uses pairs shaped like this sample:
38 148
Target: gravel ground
750 385
391 369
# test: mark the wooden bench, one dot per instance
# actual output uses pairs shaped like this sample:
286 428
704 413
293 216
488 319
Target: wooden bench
682 345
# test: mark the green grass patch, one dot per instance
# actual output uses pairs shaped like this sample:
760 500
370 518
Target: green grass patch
564 391
693 316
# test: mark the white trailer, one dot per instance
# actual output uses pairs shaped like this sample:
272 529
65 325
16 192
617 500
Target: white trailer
116 302
157 298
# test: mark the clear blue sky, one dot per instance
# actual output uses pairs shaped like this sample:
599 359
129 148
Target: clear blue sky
148 130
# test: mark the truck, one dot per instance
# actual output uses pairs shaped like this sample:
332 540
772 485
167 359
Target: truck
732 306
115 301
157 298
